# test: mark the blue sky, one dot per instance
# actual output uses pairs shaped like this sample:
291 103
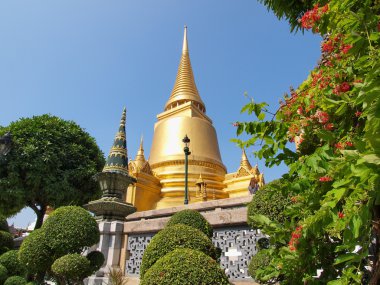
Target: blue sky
85 60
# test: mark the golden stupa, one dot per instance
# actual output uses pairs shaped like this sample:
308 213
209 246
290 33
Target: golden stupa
160 179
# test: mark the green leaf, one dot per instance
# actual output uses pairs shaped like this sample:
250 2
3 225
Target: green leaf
346 257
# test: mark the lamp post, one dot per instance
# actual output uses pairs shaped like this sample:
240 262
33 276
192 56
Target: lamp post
5 144
186 141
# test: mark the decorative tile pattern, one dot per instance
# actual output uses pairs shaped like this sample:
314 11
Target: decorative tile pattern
135 250
238 245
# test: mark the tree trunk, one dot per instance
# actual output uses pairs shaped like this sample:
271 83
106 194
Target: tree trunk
40 214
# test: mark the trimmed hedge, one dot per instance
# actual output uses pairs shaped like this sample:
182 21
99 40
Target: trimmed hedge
10 261
3 274
185 266
73 267
15 280
34 253
259 260
69 229
6 241
177 236
269 201
193 219
96 259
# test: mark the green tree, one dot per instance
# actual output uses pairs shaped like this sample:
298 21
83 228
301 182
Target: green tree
334 175
51 163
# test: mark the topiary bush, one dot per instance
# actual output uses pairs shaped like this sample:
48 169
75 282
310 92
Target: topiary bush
185 266
259 260
3 274
193 219
96 259
6 241
72 267
34 253
10 261
69 229
176 236
269 201
15 280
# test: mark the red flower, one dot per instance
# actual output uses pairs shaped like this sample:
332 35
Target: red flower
322 116
349 144
340 215
328 46
339 145
325 179
345 48
345 86
358 114
329 126
299 111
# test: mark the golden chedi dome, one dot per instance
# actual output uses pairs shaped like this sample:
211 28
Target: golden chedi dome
184 114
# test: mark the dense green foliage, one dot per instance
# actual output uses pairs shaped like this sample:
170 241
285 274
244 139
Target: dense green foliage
72 267
15 280
334 175
69 229
184 266
10 261
34 252
64 235
3 274
193 219
6 241
269 201
3 224
96 259
51 162
176 236
260 260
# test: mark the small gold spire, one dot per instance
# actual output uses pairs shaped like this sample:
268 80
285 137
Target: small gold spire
244 160
140 157
185 89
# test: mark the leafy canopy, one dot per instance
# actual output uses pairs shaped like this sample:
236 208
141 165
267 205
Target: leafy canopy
334 119
51 163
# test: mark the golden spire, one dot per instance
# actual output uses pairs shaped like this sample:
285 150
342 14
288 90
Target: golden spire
140 157
244 160
184 89
255 170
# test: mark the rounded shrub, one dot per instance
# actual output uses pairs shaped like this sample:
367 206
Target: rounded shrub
74 267
170 238
10 261
34 253
6 241
15 280
269 201
96 259
259 260
185 266
3 274
193 219
69 229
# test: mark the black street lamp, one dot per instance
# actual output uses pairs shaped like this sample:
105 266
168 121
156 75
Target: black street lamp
186 141
5 144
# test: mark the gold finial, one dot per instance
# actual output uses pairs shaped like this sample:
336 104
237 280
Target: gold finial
255 170
244 160
185 89
185 47
140 157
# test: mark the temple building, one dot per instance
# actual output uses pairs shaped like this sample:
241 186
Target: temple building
161 177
